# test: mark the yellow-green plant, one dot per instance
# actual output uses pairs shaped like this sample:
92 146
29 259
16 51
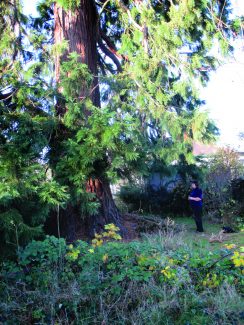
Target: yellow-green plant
238 259
110 233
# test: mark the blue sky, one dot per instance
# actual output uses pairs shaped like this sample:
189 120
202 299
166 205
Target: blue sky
224 94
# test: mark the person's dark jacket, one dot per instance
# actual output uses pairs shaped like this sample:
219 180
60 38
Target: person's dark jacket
197 192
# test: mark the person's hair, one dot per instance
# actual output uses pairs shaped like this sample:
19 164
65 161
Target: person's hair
195 182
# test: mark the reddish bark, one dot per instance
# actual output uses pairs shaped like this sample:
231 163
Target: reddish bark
80 29
108 212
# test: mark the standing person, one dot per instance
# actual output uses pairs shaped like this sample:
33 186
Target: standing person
195 199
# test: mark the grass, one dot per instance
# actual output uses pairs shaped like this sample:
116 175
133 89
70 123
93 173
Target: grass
210 228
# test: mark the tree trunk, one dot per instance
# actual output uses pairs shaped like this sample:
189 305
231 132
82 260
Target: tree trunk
108 212
80 28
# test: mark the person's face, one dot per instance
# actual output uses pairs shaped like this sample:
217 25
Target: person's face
193 186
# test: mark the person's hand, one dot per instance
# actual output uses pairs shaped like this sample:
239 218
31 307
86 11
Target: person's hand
198 199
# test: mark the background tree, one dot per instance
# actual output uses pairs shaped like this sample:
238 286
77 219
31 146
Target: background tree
26 122
222 172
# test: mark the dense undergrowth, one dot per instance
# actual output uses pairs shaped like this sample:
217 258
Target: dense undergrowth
158 280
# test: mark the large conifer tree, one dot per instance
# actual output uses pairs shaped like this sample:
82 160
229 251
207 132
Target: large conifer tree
124 96
144 58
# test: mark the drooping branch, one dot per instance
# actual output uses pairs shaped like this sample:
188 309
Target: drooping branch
111 55
5 96
101 65
112 46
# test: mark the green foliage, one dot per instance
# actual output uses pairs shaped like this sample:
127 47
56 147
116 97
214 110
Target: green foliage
161 93
27 191
72 72
41 252
52 194
69 4
139 281
25 187
15 230
143 198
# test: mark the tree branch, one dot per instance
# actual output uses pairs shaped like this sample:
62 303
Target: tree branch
143 29
8 94
127 10
111 55
145 39
111 46
101 64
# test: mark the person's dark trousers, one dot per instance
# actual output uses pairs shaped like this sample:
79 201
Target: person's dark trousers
198 218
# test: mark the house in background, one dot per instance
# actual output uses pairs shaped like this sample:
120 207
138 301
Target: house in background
241 157
201 149
206 150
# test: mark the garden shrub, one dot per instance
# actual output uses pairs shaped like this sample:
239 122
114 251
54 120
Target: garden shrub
161 201
222 193
237 187
178 203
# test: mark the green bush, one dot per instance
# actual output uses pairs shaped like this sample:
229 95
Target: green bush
161 201
148 282
223 193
